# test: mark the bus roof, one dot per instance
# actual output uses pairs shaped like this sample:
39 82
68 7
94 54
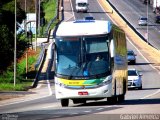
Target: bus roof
84 28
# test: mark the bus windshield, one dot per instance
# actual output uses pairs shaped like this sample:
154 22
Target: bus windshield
82 56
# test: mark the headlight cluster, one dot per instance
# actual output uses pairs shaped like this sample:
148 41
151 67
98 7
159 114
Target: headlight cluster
60 84
106 81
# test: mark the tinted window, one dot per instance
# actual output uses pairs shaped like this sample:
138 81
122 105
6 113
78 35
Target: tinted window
143 18
132 73
82 56
130 53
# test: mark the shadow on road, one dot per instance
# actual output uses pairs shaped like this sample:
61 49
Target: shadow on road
141 101
126 102
145 63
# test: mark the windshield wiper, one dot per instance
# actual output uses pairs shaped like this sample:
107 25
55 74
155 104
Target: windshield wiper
72 71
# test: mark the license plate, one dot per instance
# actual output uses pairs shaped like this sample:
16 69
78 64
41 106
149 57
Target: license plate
83 93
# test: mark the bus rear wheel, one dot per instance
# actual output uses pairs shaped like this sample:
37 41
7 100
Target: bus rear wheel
112 100
121 98
64 102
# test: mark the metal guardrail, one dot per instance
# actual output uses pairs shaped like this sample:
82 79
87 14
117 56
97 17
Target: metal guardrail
40 58
39 64
49 25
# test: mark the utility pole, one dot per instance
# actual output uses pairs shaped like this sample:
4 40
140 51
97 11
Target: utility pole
25 25
39 17
147 25
36 26
15 44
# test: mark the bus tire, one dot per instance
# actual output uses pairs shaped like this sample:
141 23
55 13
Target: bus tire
77 101
112 100
64 102
121 98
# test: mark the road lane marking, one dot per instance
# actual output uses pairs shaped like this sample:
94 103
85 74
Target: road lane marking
21 101
74 113
99 108
49 87
55 104
158 91
87 111
72 10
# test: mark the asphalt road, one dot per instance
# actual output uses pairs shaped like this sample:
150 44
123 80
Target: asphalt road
45 106
132 10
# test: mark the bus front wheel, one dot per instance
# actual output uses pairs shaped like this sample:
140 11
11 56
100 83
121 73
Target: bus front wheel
64 102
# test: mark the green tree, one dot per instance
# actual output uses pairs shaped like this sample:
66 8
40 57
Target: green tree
6 47
7 25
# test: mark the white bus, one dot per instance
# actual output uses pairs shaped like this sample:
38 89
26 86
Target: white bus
90 62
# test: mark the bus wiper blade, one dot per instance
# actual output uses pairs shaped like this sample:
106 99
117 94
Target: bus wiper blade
70 77
72 71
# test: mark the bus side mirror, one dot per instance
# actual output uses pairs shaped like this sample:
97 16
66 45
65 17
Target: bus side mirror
112 49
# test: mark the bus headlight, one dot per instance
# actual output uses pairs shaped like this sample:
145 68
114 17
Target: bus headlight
60 84
107 80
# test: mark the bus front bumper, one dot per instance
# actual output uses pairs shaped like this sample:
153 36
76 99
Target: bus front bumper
101 92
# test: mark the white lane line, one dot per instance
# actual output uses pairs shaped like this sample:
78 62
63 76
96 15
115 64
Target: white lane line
74 113
158 91
49 57
55 104
21 101
39 85
87 111
49 87
72 10
69 18
100 109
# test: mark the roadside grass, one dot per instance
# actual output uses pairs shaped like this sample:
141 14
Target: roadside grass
17 87
50 9
7 78
22 84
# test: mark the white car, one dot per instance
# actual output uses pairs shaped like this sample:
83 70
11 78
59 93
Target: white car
134 79
142 21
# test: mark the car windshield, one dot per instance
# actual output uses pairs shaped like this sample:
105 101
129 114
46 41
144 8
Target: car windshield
82 56
82 4
143 18
130 53
132 73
